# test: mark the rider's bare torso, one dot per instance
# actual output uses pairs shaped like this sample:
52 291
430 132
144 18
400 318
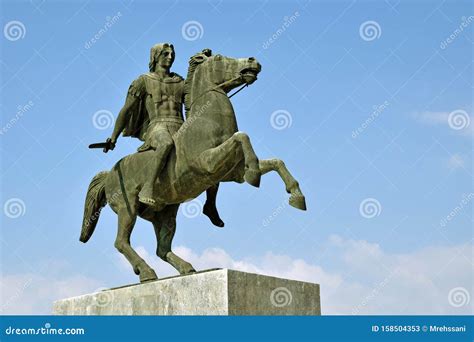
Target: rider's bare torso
164 96
163 103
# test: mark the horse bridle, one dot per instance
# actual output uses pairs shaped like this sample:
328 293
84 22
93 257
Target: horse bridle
219 87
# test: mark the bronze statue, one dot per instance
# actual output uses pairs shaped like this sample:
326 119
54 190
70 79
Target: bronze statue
178 161
153 113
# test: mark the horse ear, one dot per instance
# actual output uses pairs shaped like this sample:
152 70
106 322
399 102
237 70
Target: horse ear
207 52
197 59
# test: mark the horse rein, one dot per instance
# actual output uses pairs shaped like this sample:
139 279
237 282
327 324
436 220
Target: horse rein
219 86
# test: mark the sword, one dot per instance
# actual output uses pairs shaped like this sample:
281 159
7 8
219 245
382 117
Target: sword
106 146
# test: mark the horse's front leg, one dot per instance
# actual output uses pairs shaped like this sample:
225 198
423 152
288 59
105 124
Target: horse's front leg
225 157
297 198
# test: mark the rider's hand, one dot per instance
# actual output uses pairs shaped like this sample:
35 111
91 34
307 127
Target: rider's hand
110 145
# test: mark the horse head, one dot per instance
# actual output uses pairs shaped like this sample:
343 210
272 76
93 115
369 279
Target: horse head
219 74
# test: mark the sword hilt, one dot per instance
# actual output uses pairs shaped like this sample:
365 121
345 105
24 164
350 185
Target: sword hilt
109 145
106 146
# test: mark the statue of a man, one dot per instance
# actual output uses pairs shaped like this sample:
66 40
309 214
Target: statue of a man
153 113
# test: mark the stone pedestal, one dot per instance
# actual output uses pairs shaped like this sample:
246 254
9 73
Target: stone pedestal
212 292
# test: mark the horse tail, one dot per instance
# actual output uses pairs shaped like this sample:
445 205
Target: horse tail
95 201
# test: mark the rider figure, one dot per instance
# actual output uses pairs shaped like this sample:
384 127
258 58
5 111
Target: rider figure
153 113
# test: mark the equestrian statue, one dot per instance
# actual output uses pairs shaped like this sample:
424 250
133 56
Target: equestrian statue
179 159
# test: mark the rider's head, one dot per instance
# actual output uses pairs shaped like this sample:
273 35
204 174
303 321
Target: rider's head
161 54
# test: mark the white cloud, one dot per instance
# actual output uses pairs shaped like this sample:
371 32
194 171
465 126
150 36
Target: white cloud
366 279
458 121
31 293
432 118
370 281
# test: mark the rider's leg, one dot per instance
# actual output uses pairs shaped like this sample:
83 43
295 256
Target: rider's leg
163 143
210 209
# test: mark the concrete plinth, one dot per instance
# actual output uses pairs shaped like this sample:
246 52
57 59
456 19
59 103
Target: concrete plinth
212 292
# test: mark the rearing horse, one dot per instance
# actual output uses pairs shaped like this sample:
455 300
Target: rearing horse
208 149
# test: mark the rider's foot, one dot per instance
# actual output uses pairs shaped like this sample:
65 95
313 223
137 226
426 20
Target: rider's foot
211 211
146 200
146 196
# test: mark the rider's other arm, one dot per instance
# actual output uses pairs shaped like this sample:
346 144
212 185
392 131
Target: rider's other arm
123 117
136 90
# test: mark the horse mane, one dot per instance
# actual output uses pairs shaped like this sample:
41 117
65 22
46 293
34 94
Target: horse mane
194 62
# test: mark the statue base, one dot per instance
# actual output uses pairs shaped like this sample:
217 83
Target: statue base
211 292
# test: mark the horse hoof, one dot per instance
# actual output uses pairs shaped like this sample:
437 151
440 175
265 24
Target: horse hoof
253 177
189 271
298 202
211 212
148 276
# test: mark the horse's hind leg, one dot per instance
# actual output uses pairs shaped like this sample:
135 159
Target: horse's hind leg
297 199
165 227
126 223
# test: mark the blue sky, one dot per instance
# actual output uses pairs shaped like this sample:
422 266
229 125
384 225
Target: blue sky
322 75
